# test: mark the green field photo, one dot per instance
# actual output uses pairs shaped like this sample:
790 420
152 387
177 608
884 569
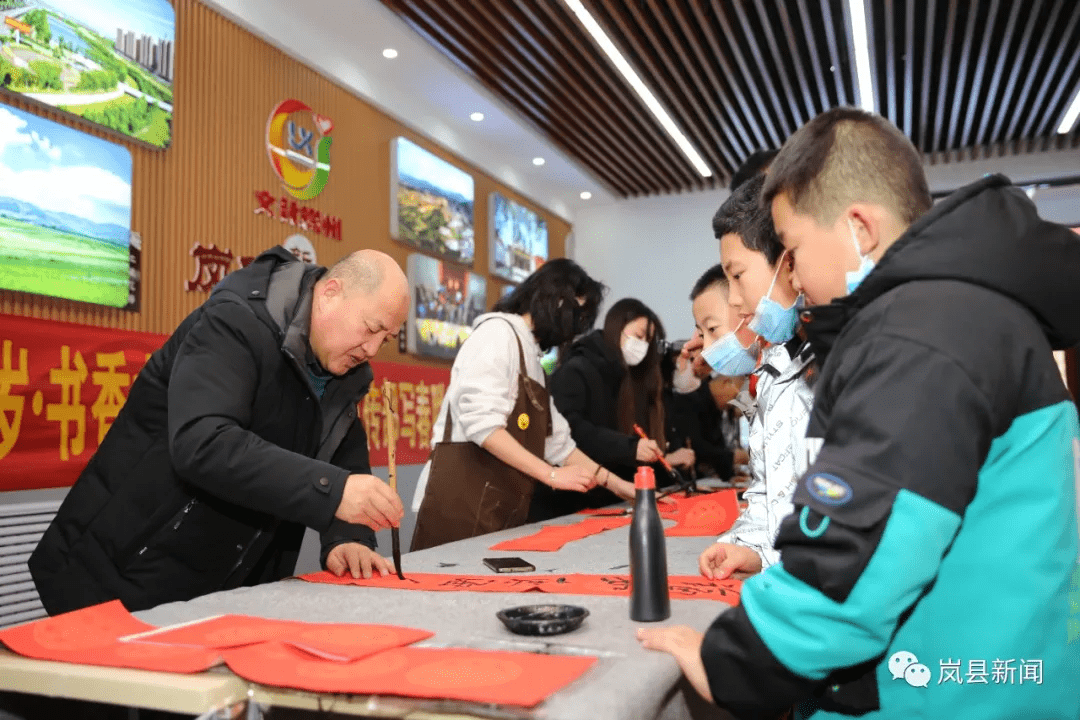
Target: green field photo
45 261
130 116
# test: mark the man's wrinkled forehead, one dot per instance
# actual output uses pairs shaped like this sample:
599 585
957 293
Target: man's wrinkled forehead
389 309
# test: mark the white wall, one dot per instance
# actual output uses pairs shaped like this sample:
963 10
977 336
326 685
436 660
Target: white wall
1021 169
1059 204
652 249
655 248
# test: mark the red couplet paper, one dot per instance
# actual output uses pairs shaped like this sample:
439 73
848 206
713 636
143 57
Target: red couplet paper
665 506
332 640
604 511
681 587
695 516
503 678
552 537
90 636
702 515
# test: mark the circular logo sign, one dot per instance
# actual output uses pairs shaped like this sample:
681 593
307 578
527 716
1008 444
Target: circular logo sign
298 145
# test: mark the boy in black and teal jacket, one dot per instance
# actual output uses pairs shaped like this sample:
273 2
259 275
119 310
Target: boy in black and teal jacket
930 569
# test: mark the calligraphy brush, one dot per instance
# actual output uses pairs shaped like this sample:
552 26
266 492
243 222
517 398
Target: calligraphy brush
662 460
690 486
389 424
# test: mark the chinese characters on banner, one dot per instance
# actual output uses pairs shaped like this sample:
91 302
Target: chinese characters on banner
212 264
299 216
417 394
61 386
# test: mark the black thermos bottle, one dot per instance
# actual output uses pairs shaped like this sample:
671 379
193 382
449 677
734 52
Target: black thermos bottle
649 599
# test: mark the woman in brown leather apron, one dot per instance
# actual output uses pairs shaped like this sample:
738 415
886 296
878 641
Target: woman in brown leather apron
489 454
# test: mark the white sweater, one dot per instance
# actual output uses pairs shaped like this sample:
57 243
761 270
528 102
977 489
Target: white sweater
484 386
779 452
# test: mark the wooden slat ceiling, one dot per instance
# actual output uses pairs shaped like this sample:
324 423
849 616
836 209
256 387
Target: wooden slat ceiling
960 78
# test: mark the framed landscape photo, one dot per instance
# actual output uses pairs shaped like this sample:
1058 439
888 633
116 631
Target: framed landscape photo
431 203
446 299
65 211
519 239
109 62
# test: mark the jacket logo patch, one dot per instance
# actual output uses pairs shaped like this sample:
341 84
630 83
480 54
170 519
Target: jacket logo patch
523 421
829 489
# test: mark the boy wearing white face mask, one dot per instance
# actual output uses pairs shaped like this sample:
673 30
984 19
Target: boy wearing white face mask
609 381
911 548
764 305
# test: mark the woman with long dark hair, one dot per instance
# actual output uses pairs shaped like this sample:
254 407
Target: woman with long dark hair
498 436
609 381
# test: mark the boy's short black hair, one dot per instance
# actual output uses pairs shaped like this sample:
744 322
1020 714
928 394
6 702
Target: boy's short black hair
746 216
757 163
711 277
845 156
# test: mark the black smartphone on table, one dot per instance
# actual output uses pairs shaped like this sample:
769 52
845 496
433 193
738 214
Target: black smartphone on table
509 565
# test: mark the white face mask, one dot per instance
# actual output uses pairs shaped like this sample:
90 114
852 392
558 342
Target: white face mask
634 350
855 277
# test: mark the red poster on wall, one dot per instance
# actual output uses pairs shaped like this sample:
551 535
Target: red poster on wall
62 385
417 395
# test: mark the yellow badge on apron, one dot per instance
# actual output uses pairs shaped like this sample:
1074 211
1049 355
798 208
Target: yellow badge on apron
523 421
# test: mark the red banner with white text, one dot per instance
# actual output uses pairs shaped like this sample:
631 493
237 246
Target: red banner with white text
62 385
417 394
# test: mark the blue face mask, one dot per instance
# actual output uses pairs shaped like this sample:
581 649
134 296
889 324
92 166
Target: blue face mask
855 277
727 356
773 321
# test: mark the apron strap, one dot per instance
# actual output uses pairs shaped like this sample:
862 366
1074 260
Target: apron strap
523 374
448 426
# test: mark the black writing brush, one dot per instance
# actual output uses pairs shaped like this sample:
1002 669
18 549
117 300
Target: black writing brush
390 425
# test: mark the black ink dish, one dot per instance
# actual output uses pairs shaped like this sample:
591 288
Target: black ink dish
542 619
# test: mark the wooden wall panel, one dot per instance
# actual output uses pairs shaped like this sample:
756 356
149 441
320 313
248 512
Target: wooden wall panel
201 189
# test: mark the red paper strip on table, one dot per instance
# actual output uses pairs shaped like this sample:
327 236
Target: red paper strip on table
703 515
698 516
503 678
665 506
552 537
342 641
681 587
90 636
